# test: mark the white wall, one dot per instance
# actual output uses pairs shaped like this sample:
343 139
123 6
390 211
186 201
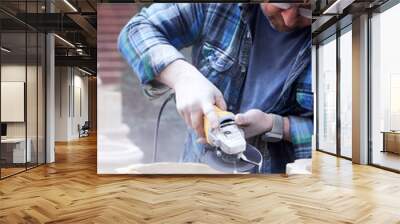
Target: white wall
33 126
12 101
62 81
70 84
81 100
12 73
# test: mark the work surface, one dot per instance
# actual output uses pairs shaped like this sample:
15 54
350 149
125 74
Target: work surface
70 191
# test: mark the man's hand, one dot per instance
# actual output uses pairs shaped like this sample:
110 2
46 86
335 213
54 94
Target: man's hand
254 122
195 95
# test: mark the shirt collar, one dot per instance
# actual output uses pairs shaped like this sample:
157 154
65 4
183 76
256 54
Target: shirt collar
247 11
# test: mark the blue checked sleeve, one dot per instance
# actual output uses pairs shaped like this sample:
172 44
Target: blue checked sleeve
301 130
302 125
152 39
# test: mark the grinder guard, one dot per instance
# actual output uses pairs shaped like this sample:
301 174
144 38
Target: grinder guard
229 151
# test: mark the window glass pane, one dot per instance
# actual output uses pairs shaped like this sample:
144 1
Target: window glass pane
385 84
23 87
32 83
14 153
31 97
327 97
345 94
41 98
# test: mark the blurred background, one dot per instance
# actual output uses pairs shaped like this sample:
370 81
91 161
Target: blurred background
126 118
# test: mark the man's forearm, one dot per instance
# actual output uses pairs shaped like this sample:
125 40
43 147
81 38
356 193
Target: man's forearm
176 72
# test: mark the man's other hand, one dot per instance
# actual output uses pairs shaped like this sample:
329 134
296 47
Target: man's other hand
254 122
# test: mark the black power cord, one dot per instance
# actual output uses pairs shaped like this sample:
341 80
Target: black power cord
169 98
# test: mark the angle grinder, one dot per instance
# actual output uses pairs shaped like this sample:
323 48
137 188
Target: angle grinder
226 148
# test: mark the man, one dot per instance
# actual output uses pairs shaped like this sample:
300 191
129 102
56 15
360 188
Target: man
250 59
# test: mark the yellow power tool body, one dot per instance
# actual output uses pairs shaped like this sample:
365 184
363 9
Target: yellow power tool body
228 136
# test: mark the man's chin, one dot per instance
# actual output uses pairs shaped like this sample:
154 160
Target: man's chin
281 28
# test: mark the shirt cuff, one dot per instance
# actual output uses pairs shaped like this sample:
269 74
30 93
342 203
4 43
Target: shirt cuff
155 60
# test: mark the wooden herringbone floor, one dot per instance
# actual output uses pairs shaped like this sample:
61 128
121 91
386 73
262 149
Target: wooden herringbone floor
70 191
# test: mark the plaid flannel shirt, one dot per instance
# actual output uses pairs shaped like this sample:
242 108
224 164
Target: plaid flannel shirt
220 38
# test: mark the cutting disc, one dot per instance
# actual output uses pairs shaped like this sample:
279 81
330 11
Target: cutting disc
229 166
